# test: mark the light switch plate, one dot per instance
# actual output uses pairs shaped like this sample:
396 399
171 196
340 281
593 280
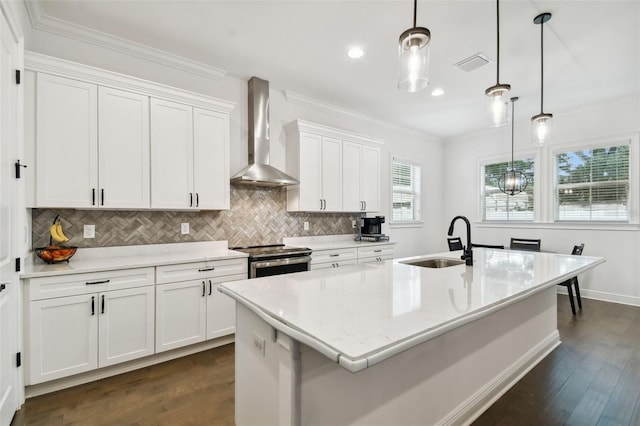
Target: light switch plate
259 343
184 228
89 231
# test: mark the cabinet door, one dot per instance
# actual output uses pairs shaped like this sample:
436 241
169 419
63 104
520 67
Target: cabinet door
66 143
351 166
310 172
332 174
370 178
126 325
211 159
63 337
221 311
171 155
123 149
180 314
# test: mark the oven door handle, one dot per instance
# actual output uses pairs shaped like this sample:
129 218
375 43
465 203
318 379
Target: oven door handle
280 262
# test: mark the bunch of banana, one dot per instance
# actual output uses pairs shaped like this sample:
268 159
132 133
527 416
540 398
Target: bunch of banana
56 231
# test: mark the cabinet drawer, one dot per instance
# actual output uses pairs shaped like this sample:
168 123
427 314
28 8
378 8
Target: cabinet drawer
326 265
200 270
77 284
376 259
376 251
333 255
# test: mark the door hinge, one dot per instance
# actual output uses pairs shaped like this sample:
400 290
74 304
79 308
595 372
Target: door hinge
18 268
18 167
18 359
18 80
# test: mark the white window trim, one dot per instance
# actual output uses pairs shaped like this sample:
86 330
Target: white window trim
633 140
407 223
530 153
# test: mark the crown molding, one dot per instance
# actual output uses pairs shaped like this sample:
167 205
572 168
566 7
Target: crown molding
309 127
43 22
14 23
42 63
296 98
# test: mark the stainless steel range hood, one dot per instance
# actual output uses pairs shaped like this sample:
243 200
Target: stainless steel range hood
259 171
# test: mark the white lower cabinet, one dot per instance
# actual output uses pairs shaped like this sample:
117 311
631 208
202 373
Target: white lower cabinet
333 258
376 253
75 334
193 310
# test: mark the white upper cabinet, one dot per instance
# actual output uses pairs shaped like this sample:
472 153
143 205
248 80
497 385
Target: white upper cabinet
189 157
338 171
123 149
98 146
211 159
67 142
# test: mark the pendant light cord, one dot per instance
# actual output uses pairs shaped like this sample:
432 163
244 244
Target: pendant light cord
415 12
498 44
513 108
541 68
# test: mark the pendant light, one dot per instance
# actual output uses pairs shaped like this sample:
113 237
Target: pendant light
512 182
541 124
497 96
413 50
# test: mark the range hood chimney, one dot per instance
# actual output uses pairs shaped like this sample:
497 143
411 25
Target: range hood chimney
259 171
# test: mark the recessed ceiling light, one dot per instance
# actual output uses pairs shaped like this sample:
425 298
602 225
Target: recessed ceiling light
355 52
437 92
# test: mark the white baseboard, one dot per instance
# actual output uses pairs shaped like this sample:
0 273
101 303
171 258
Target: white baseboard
101 373
604 296
478 403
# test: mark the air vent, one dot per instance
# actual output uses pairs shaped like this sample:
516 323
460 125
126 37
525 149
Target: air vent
473 62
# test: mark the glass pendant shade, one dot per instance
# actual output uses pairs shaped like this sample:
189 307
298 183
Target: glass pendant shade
497 104
541 128
497 95
413 55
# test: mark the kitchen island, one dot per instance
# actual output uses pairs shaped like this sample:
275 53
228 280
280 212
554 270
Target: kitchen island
394 343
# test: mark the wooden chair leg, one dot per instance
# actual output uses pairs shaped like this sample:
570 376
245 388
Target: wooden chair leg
575 281
573 306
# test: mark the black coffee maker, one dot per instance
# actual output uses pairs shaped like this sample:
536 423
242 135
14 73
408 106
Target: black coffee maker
371 229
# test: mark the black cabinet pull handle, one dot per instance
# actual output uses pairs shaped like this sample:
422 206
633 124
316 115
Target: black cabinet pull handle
365 205
102 305
197 199
191 199
3 287
210 268
93 305
210 287
334 255
93 196
102 197
377 251
97 282
204 288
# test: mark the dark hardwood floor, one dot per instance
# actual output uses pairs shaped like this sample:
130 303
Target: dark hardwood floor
593 378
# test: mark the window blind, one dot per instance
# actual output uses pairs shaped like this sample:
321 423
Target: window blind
498 206
593 184
406 179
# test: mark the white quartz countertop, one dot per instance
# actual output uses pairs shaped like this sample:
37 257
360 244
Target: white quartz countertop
362 314
126 257
331 242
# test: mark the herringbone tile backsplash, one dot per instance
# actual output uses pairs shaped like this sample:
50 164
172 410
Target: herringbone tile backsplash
257 216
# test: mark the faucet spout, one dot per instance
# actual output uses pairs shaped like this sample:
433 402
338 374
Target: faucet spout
467 254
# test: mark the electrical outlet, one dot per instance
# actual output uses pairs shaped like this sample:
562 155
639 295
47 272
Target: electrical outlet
354 223
305 226
259 343
184 228
89 231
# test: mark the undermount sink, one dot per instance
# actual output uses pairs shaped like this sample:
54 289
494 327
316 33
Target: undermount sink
435 263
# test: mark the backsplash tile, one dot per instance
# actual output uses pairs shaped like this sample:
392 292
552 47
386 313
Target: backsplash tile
257 216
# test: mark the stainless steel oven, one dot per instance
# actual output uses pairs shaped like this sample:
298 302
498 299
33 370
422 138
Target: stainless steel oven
276 259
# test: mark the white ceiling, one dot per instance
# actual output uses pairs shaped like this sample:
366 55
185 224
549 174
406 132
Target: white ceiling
592 50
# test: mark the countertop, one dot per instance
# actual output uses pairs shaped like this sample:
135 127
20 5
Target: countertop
126 257
328 242
362 314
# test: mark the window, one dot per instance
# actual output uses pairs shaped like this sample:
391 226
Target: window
406 195
497 205
592 184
